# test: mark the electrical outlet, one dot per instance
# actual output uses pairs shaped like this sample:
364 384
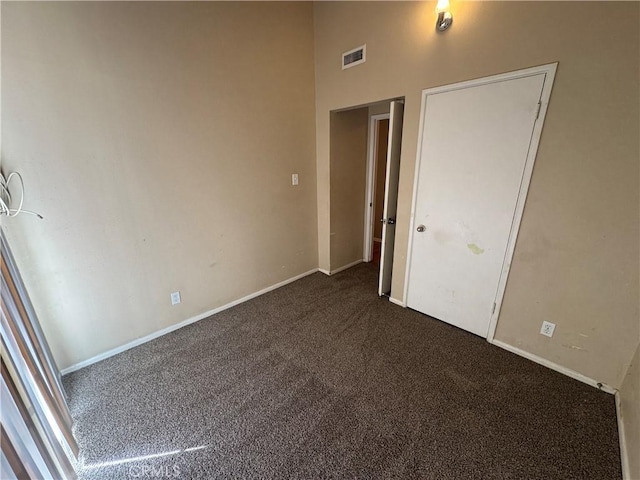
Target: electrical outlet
294 179
175 298
547 328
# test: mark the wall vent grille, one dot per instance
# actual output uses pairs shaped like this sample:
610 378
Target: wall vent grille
354 57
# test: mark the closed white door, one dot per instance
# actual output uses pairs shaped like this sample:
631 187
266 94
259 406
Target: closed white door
392 177
473 152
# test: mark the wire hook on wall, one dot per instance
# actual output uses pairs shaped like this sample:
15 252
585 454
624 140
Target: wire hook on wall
6 200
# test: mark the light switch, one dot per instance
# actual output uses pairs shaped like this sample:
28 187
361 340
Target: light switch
294 179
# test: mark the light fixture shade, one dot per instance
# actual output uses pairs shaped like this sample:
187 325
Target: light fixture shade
442 6
444 16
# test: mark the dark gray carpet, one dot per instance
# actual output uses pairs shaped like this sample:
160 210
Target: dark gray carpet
322 379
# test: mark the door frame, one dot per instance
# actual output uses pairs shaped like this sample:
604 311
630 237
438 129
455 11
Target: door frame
549 70
372 164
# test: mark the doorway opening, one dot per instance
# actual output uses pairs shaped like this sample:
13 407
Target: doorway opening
376 174
364 173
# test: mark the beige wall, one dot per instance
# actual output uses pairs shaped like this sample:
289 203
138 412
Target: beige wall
379 108
630 408
349 133
576 259
158 140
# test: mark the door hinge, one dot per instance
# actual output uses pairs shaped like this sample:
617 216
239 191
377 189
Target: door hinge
538 111
493 310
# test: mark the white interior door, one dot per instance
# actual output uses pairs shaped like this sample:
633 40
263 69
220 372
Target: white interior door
390 197
473 153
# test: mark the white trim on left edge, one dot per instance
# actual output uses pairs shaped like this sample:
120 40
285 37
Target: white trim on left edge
624 451
554 366
189 321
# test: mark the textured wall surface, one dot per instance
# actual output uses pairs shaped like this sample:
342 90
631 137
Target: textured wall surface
576 259
158 140
349 134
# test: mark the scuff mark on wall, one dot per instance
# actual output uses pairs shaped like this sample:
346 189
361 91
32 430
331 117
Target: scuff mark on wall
475 249
573 347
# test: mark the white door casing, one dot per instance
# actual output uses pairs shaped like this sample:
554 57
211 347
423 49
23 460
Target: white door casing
390 197
477 146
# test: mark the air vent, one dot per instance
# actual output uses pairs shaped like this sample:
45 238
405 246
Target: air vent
354 57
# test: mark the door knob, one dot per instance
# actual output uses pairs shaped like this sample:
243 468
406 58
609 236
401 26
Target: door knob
391 221
421 228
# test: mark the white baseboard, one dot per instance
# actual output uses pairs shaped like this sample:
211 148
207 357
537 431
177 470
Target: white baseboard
349 265
397 302
189 321
338 270
624 451
554 366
